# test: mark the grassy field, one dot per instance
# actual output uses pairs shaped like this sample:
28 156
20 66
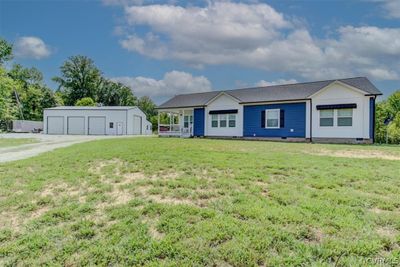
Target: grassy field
188 202
8 142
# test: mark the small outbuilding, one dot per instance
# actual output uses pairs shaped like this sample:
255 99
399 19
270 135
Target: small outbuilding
110 120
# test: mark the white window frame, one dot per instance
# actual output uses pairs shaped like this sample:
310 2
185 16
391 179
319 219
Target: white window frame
214 120
333 118
266 118
337 118
226 120
234 119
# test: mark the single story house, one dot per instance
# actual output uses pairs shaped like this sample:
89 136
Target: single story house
110 120
341 110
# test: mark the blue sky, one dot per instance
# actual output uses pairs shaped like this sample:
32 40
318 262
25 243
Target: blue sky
162 48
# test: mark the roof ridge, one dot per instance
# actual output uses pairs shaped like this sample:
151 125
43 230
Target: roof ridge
254 87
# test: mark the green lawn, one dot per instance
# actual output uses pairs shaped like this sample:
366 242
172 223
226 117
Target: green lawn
185 202
8 142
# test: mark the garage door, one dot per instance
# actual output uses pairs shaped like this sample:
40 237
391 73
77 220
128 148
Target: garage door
55 125
76 125
137 125
97 125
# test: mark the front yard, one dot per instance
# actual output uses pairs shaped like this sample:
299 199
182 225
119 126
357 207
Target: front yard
185 202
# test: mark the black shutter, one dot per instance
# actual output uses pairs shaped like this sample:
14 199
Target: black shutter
263 119
282 118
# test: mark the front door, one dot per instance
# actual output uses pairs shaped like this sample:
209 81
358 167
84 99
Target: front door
119 128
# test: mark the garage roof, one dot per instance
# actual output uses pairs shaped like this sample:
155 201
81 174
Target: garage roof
92 108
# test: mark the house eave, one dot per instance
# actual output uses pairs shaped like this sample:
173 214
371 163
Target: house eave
275 101
177 107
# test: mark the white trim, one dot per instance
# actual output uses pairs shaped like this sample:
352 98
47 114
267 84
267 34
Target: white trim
219 120
279 118
220 94
335 117
337 82
275 102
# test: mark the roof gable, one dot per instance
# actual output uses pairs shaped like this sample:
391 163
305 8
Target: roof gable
222 94
337 82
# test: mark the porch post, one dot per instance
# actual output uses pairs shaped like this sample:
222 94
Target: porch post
170 121
158 122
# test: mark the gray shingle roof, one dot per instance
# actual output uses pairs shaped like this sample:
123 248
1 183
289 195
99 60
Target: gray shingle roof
268 93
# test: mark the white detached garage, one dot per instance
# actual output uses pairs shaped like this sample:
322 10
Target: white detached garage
115 120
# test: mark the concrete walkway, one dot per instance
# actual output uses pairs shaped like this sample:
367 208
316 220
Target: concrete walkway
46 143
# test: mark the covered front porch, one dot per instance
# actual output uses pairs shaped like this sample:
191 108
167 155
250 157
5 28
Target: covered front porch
175 122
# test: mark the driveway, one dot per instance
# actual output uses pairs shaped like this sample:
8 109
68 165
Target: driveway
46 143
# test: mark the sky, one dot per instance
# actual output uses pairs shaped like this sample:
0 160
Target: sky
164 48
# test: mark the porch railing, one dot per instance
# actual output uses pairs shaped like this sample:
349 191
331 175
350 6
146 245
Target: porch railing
169 129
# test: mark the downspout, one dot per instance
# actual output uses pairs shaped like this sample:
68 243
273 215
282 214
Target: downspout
373 120
311 110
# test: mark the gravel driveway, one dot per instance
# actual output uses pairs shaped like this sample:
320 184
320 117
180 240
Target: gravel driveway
46 143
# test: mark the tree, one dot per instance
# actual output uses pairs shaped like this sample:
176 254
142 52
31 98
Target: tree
389 109
5 51
8 110
79 78
33 95
86 101
147 106
112 93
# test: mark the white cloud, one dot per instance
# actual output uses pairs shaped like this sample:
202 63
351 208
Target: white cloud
122 2
31 47
276 82
257 36
391 8
173 83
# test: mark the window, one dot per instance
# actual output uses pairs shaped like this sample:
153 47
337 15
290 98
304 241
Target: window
345 117
326 117
222 120
214 121
272 118
111 125
232 120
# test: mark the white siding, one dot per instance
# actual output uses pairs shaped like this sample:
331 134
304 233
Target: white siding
341 94
130 121
223 102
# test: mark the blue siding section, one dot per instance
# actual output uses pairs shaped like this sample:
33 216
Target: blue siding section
372 118
198 123
295 118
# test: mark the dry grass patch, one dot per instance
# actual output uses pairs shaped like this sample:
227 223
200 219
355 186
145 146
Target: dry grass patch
388 232
361 154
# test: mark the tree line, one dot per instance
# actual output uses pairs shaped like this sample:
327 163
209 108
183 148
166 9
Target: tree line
24 95
387 121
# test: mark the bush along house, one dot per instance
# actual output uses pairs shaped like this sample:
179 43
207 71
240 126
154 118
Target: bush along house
333 111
